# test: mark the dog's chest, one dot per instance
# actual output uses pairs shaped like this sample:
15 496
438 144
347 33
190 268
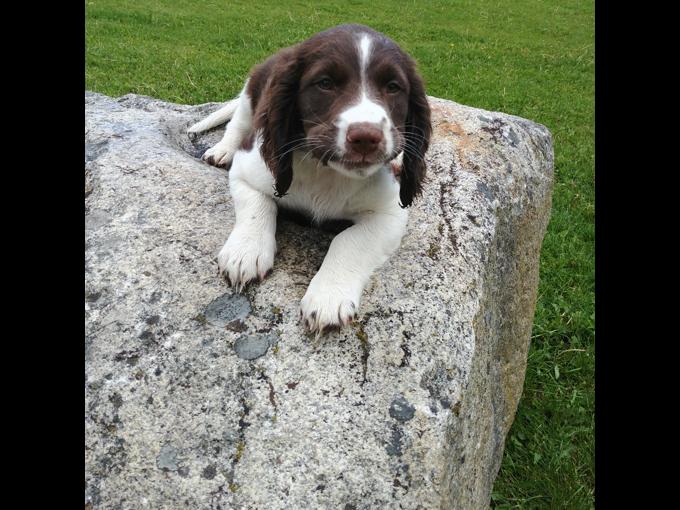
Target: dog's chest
322 193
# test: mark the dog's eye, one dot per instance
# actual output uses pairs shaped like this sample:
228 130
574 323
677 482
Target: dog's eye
325 84
393 87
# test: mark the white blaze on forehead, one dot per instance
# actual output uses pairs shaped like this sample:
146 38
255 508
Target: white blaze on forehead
364 53
364 110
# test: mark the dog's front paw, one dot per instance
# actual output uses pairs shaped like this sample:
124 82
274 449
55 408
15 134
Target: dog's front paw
327 307
218 155
246 257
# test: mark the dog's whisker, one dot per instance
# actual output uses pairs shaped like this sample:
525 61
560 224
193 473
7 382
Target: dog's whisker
304 140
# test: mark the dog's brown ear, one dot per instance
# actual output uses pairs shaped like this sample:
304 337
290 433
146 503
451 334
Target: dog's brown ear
278 120
417 131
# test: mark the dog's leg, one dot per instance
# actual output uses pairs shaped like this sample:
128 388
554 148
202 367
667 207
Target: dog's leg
333 296
216 118
249 252
240 125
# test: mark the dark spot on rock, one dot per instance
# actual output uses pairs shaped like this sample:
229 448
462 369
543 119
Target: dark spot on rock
462 459
154 319
149 400
401 410
209 472
92 296
130 357
155 297
365 348
183 471
393 447
436 381
433 251
277 314
94 150
237 326
320 487
115 458
397 483
456 408
147 336
92 496
292 385
499 131
253 346
116 400
484 190
242 423
407 354
94 386
157 372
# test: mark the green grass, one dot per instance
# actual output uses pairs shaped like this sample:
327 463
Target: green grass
529 58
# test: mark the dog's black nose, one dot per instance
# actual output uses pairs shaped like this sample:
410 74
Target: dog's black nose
364 138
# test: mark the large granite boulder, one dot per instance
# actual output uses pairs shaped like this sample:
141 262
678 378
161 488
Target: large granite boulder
197 397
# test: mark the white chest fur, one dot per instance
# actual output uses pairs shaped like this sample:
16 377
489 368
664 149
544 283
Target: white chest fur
320 191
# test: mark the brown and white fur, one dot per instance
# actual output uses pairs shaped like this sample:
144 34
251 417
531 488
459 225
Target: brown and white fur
318 128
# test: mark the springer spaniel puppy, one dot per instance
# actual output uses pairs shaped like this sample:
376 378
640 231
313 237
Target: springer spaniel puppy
335 127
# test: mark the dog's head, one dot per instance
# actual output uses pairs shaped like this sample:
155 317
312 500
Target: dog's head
351 98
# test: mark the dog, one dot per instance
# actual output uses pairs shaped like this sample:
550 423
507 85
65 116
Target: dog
335 127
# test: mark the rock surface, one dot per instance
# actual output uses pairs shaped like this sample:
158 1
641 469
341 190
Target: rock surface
199 398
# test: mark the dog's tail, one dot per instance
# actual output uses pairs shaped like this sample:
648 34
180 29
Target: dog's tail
216 118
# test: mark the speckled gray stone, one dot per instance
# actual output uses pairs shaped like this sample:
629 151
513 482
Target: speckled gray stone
176 419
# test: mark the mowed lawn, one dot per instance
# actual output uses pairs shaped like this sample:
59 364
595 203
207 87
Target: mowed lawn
529 58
